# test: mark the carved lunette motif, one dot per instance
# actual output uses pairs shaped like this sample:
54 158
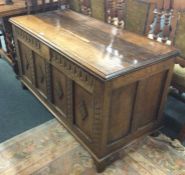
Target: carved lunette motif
32 69
70 100
42 75
27 62
27 38
48 81
73 71
97 123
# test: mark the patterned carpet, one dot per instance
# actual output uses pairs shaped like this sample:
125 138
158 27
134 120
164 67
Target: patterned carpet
50 150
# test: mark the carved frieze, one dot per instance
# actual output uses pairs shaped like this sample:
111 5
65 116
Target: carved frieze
70 100
27 38
97 123
73 71
48 81
32 70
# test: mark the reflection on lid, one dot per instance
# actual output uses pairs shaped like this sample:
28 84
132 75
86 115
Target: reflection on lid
135 61
111 58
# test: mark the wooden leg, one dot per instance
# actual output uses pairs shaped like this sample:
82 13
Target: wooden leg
15 67
101 165
155 134
24 87
182 134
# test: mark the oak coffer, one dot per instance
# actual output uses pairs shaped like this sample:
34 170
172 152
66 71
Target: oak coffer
106 86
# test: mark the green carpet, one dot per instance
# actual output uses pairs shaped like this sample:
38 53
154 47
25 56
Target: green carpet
19 109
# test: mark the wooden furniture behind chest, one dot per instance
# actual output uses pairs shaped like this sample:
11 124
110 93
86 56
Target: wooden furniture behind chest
20 7
7 11
107 86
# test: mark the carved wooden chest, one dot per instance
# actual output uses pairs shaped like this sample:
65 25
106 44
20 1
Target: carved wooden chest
106 86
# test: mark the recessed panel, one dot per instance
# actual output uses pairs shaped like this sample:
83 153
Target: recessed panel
27 61
148 100
59 90
40 72
122 104
83 104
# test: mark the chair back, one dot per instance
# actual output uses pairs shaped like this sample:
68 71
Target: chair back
34 6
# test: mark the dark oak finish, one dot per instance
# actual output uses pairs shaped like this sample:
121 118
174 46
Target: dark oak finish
107 53
107 86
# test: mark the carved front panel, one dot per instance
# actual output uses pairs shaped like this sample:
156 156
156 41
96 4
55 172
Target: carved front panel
83 110
26 61
40 71
59 84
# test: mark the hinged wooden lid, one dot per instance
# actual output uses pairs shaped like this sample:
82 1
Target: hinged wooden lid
100 48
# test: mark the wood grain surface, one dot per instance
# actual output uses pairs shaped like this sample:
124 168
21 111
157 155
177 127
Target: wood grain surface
104 49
